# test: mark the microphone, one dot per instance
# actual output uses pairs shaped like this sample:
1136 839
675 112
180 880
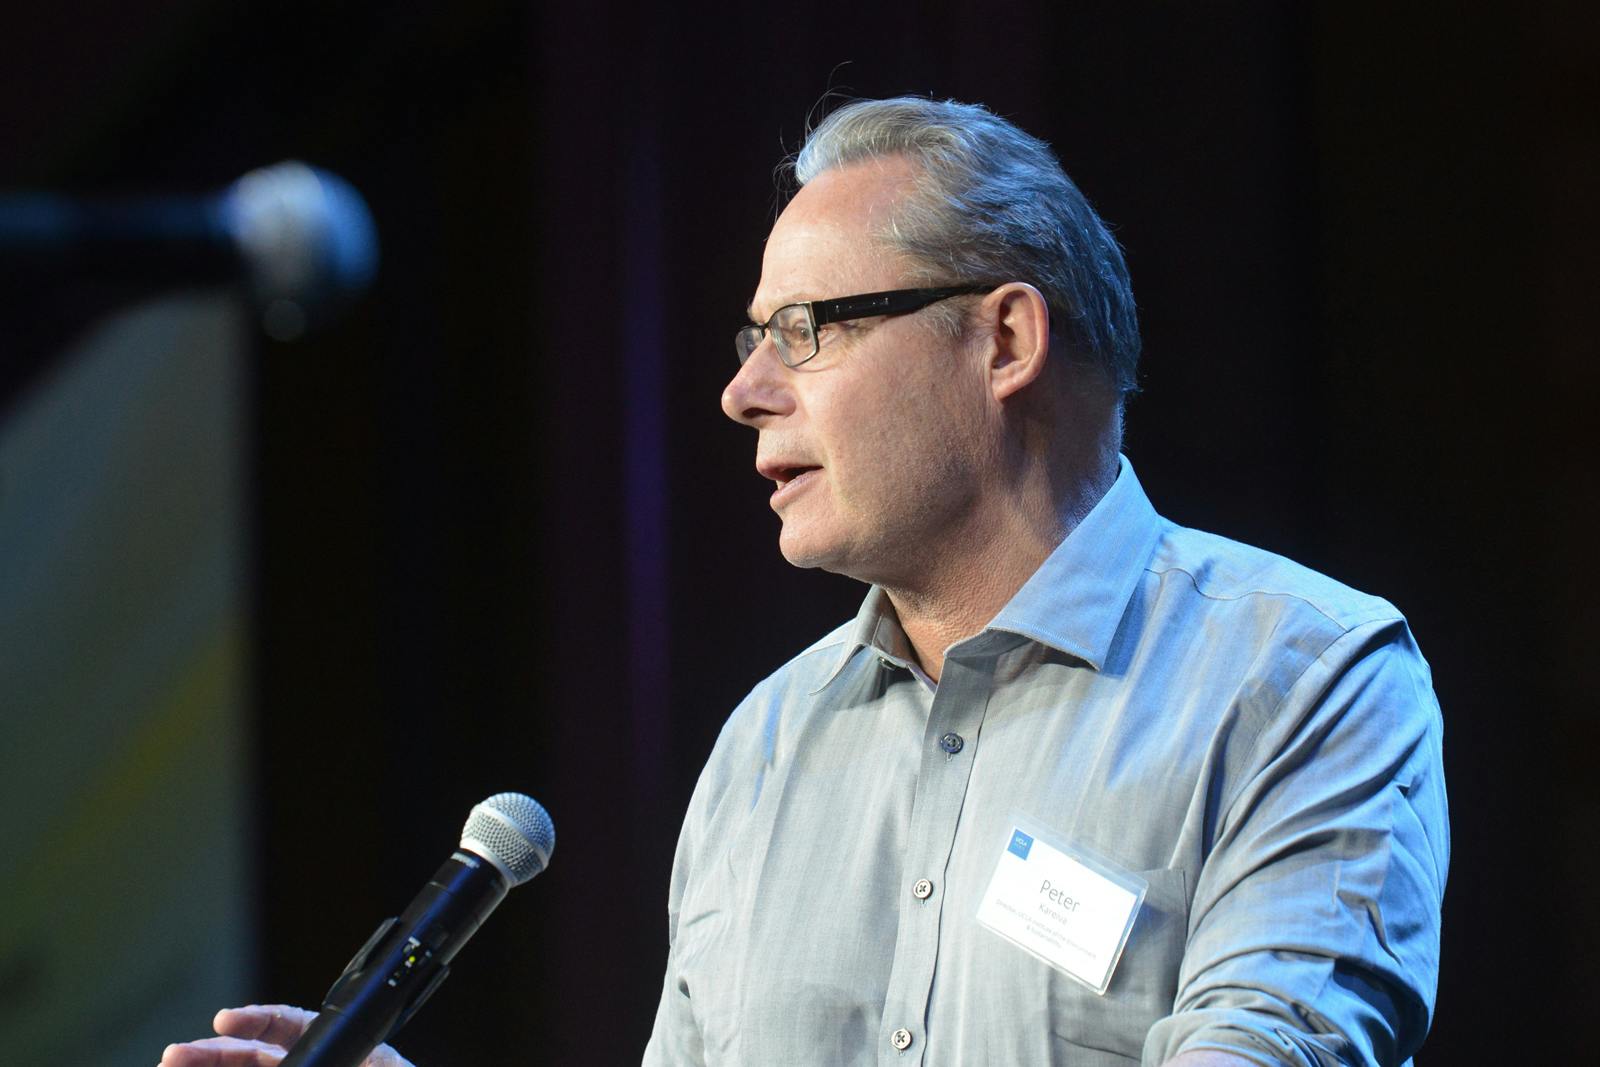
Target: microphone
507 840
301 238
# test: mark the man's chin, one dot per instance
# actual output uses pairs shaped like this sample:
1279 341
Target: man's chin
825 557
803 559
808 552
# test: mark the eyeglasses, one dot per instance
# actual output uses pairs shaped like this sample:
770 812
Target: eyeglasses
793 327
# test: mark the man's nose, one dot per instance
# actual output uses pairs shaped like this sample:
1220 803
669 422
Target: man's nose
760 390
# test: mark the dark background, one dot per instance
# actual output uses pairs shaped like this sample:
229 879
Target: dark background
505 539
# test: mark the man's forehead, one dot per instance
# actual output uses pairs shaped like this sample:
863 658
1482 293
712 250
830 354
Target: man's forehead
830 238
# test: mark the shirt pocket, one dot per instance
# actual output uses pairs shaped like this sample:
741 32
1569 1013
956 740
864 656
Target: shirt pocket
1143 986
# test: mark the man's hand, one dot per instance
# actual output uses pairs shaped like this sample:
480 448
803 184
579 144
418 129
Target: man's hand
257 1036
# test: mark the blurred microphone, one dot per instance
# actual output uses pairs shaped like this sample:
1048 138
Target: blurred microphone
300 238
507 840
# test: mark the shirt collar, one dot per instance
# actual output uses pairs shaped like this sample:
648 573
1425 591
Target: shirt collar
876 628
1074 602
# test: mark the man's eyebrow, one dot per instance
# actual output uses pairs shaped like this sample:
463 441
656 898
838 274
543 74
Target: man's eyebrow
783 302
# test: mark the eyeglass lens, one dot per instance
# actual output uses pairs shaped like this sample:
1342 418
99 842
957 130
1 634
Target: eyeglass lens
791 331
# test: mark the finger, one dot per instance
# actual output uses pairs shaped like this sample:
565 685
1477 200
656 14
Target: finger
277 1024
222 1052
384 1056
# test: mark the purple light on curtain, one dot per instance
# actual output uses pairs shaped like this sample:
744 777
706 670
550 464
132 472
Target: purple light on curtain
645 460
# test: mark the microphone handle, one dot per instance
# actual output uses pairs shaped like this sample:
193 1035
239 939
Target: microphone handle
400 966
176 238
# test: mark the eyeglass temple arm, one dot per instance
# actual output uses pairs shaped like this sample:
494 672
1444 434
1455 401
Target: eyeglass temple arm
893 302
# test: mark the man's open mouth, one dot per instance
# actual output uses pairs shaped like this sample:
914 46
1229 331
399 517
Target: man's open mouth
785 475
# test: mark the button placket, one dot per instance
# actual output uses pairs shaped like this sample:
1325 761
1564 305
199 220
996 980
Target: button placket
956 713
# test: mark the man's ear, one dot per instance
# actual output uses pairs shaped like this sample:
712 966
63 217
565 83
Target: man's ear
1017 321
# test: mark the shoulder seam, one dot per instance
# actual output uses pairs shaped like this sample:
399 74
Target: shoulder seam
1379 610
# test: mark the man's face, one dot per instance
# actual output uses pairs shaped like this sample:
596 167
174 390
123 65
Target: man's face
875 445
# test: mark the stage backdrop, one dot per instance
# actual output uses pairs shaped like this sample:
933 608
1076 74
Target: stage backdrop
125 907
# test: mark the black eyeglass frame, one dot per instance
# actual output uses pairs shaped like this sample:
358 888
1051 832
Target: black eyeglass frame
840 309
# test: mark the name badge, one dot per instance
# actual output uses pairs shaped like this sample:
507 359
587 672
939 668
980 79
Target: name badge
1072 910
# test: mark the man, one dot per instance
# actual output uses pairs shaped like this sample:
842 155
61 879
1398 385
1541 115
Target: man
1254 744
1227 767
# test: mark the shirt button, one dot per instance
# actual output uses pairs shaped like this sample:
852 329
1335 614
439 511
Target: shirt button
888 664
901 1039
923 889
951 743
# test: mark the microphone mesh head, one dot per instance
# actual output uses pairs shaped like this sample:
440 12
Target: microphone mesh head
307 239
513 832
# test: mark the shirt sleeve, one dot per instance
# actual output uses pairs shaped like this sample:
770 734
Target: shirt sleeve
675 1041
1314 930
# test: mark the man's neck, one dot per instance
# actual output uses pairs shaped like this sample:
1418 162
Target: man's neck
959 594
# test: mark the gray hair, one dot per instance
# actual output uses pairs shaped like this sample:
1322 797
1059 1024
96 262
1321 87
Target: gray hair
992 204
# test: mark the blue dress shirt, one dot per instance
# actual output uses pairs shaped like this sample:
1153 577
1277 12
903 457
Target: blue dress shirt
1259 743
